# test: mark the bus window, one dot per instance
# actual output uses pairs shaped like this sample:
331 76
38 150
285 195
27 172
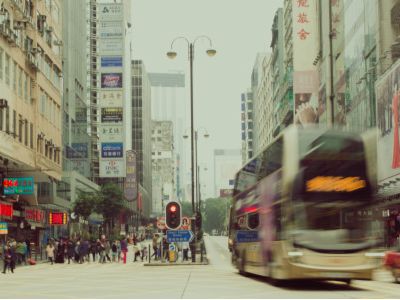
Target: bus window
253 220
271 159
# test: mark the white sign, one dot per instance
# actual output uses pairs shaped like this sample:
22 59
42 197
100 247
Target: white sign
81 166
110 29
111 46
112 168
110 11
111 98
111 133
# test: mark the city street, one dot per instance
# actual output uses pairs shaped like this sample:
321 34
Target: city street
217 280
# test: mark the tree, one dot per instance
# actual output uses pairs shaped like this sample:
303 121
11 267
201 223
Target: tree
85 204
215 214
111 202
187 209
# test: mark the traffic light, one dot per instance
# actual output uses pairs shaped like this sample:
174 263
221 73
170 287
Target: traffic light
173 215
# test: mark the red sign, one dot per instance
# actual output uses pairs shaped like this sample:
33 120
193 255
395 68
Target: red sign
6 210
34 215
58 218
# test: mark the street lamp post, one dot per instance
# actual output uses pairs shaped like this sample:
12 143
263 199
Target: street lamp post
172 54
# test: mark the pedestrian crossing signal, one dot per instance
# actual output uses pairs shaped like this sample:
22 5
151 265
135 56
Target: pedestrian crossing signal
173 215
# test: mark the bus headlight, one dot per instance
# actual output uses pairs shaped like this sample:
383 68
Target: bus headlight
295 256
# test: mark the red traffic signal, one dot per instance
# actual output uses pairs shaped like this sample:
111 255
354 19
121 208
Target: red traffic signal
173 215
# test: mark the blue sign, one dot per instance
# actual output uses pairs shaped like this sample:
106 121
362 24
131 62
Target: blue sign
78 150
111 61
18 186
112 150
175 236
246 236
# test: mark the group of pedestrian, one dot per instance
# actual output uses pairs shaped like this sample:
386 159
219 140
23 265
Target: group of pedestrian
14 252
159 242
81 250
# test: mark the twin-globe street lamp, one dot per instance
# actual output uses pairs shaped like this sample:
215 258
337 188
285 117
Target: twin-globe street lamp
172 54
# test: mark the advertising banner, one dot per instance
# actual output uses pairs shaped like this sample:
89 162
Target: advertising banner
387 99
112 150
111 80
130 187
35 215
112 168
111 98
77 150
6 210
111 133
305 75
3 228
111 115
111 61
110 11
111 46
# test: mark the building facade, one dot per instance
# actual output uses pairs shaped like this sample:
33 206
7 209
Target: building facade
247 125
226 163
163 165
141 132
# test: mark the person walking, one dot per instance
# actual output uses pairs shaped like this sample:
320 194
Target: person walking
136 250
70 251
124 249
20 253
50 249
155 246
100 250
107 250
114 251
185 250
7 258
28 248
118 250
93 249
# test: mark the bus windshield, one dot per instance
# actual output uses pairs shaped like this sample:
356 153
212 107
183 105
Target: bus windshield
332 182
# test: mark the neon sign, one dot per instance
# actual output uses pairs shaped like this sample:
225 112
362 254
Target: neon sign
58 218
335 184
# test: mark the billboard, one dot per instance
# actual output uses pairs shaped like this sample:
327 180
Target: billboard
111 61
109 30
387 98
18 186
111 46
111 98
77 150
305 75
111 132
112 168
112 150
110 11
131 186
111 114
111 80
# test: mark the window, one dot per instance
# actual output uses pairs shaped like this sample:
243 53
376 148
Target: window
15 76
42 103
158 139
7 70
1 119
1 63
26 132
31 135
8 120
20 123
250 106
26 82
243 126
271 159
20 73
243 136
253 220
250 133
15 123
250 125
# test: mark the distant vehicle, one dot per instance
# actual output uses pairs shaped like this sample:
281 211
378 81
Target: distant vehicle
295 212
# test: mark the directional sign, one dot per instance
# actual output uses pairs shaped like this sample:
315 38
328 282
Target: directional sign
174 236
172 247
246 236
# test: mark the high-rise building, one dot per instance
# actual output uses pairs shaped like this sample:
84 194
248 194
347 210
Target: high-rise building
226 163
141 132
169 103
247 125
30 111
163 165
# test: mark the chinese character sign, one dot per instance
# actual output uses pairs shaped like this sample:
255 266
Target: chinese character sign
18 186
6 210
58 218
130 188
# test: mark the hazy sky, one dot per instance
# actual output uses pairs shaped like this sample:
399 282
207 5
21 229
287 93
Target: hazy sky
239 29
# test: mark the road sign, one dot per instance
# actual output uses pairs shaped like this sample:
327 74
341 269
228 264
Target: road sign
174 236
3 228
171 247
185 223
246 236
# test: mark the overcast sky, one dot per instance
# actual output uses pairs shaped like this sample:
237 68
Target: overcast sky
239 29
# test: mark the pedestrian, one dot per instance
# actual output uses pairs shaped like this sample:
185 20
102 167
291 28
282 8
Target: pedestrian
107 250
50 249
93 249
119 250
144 251
136 250
28 246
114 251
101 251
76 250
155 246
70 251
185 250
60 253
124 249
7 258
20 253
83 251
165 248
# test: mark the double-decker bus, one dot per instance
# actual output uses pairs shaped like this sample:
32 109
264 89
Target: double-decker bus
296 206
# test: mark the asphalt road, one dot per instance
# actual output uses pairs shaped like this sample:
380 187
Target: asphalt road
133 280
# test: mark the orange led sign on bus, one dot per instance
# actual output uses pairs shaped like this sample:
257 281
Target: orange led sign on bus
335 184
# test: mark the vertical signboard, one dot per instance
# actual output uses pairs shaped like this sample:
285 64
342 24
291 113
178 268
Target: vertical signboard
387 99
305 75
130 187
111 95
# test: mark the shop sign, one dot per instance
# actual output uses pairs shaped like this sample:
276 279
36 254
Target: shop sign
111 80
111 61
58 218
112 168
130 187
111 46
110 11
111 98
3 228
111 132
112 29
34 215
77 150
111 115
6 210
18 186
112 150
